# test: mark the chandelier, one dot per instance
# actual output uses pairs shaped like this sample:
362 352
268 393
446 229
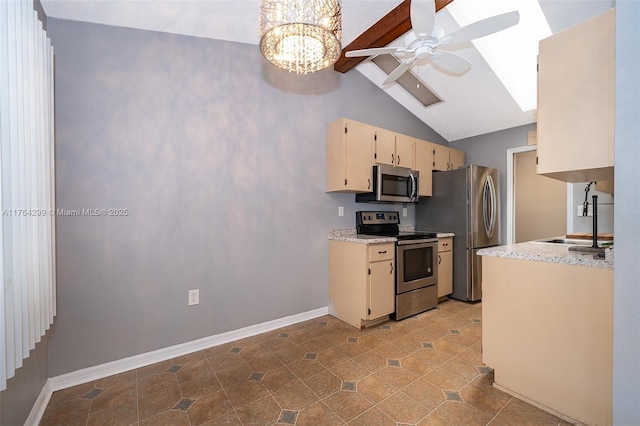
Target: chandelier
301 36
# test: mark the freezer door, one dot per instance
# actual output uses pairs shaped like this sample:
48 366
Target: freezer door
484 207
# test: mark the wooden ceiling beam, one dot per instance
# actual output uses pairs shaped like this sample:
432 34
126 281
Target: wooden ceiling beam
387 29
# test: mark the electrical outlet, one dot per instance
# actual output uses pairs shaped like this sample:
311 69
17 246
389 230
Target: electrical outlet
194 297
340 211
404 212
589 210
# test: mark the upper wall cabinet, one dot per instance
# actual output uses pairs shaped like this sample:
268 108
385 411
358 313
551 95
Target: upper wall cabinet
424 165
446 158
576 71
354 147
349 156
392 149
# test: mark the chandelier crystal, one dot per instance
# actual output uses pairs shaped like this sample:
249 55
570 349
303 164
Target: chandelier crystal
301 36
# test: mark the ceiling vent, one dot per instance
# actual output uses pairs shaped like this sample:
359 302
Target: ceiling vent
408 81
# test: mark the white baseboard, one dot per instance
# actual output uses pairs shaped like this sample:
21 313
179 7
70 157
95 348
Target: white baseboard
89 374
40 405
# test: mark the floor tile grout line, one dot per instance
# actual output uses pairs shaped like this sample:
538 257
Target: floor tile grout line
446 321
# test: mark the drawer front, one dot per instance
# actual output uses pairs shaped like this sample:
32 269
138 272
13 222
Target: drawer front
445 244
381 252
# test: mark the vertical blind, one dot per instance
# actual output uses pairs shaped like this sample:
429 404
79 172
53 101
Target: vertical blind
27 201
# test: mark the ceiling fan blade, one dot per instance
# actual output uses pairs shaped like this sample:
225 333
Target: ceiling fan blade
483 28
373 51
404 66
423 16
450 62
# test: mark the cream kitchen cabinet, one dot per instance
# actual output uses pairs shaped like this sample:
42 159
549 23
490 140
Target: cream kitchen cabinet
349 150
576 73
393 149
361 282
424 165
445 266
456 158
547 331
445 158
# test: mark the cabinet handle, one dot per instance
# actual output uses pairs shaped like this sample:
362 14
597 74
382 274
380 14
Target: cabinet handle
439 259
398 160
393 161
368 183
391 271
381 252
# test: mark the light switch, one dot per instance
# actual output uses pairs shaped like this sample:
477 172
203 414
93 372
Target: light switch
340 211
404 212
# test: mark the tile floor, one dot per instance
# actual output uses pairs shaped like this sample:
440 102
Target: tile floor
425 370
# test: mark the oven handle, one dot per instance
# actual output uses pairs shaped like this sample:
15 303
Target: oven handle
415 242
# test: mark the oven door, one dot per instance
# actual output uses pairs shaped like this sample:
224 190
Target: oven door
416 264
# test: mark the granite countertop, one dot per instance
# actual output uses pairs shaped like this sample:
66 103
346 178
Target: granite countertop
549 252
351 236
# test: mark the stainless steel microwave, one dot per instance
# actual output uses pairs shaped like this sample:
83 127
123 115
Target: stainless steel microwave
391 185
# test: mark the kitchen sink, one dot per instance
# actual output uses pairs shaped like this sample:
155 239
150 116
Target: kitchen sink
575 241
566 241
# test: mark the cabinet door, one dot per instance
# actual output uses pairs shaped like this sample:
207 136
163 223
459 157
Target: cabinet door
385 147
358 166
381 289
576 88
404 151
440 158
423 164
445 273
456 159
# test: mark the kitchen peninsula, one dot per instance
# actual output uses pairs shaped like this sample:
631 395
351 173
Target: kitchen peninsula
547 327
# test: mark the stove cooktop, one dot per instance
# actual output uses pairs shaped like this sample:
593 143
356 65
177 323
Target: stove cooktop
387 224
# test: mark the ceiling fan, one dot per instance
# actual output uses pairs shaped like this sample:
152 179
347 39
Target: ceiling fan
429 42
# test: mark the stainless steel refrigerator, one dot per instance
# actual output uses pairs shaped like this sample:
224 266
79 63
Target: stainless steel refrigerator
465 201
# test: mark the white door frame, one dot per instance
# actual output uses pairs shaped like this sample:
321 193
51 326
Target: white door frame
511 152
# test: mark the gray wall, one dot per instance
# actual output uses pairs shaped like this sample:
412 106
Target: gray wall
491 150
220 161
23 389
605 210
626 320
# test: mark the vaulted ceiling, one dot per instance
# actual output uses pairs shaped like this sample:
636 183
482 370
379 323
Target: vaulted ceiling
472 104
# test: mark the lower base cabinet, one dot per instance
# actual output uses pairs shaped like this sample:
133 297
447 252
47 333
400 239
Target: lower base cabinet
445 267
361 282
547 331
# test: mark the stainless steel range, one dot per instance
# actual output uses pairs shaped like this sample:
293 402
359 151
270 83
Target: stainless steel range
416 261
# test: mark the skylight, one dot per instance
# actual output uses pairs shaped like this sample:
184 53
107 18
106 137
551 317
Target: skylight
512 53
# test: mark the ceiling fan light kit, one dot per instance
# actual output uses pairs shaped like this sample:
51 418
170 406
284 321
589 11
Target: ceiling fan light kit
301 36
430 43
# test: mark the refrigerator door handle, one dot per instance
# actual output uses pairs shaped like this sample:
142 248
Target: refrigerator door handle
489 207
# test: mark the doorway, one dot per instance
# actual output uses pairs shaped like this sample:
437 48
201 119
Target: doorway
536 205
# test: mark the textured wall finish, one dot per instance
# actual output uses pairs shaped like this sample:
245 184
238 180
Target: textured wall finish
220 163
626 297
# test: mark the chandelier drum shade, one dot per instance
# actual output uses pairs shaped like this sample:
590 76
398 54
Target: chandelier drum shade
301 36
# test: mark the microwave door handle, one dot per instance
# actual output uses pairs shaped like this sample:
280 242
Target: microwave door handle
413 187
